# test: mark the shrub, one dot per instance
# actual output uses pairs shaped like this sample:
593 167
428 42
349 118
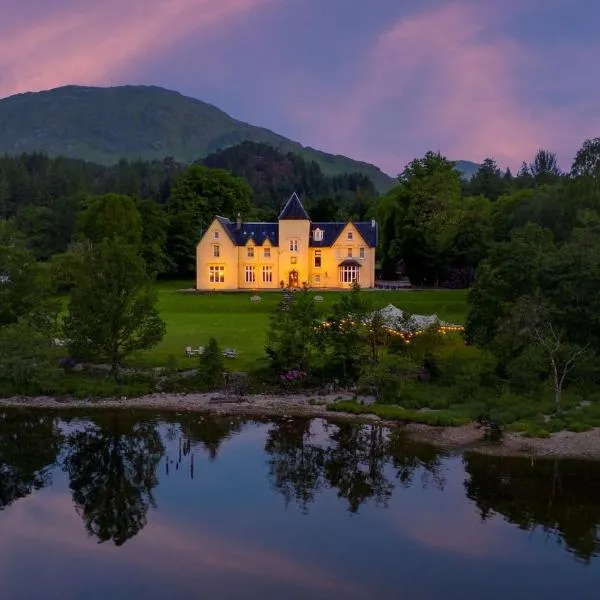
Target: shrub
211 367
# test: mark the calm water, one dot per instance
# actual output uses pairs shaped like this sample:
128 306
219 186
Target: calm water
182 506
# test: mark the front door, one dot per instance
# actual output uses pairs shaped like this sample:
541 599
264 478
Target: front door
293 280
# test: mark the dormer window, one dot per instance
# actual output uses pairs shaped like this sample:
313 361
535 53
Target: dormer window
318 235
250 251
349 235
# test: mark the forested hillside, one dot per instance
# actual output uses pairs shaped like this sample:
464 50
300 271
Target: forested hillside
142 122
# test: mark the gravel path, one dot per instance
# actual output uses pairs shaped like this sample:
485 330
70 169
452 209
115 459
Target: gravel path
559 445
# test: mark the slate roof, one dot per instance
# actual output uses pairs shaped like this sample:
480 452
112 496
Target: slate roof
260 232
293 210
332 230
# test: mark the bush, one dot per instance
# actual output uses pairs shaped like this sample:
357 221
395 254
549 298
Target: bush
211 367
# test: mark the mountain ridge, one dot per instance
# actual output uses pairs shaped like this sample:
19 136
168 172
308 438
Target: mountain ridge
104 124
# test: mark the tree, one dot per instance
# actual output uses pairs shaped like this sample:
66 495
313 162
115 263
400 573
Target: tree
197 196
544 168
210 366
111 216
419 218
349 335
292 337
25 286
112 311
488 181
587 162
155 225
26 357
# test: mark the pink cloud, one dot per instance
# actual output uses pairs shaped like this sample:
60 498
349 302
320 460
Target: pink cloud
448 79
90 45
49 521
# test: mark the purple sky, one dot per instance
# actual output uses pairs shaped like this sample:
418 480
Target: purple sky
379 80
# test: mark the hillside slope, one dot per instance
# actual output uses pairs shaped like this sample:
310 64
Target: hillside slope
105 124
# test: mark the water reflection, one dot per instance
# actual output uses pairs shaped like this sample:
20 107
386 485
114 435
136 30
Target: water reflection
114 461
354 461
23 471
561 497
111 464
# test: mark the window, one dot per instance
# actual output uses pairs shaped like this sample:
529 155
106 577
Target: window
249 271
349 235
215 235
216 250
293 260
250 251
349 252
267 253
348 274
216 274
317 258
293 245
361 252
267 274
318 235
317 279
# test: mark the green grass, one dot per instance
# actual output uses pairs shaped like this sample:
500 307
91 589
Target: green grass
236 322
439 418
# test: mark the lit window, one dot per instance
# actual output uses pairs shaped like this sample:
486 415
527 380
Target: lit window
216 274
293 260
349 235
349 274
349 252
293 245
216 235
216 250
250 251
317 279
249 272
361 252
317 258
318 235
267 252
267 274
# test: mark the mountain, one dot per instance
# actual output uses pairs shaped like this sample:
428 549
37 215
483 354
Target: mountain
467 168
148 122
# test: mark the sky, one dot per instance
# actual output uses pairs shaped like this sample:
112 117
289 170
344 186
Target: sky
378 80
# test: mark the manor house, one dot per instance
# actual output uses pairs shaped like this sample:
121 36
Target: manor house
236 255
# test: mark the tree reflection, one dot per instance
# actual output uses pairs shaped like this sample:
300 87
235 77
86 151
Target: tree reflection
361 463
112 464
29 445
295 462
355 464
561 497
209 432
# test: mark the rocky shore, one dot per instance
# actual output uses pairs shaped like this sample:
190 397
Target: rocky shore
566 444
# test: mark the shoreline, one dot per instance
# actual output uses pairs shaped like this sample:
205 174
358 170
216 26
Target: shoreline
566 444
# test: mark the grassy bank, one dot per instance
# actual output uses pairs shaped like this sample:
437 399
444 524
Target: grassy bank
236 322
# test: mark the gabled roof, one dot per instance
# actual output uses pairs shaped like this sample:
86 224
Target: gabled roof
293 210
257 232
332 231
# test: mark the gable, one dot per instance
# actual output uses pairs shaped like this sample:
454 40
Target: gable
219 225
333 233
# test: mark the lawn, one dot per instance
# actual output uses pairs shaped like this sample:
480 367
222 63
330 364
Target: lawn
236 322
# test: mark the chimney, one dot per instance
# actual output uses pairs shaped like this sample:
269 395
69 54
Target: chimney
238 222
372 223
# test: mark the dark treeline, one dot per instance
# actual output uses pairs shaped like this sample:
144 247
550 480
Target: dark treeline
45 195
